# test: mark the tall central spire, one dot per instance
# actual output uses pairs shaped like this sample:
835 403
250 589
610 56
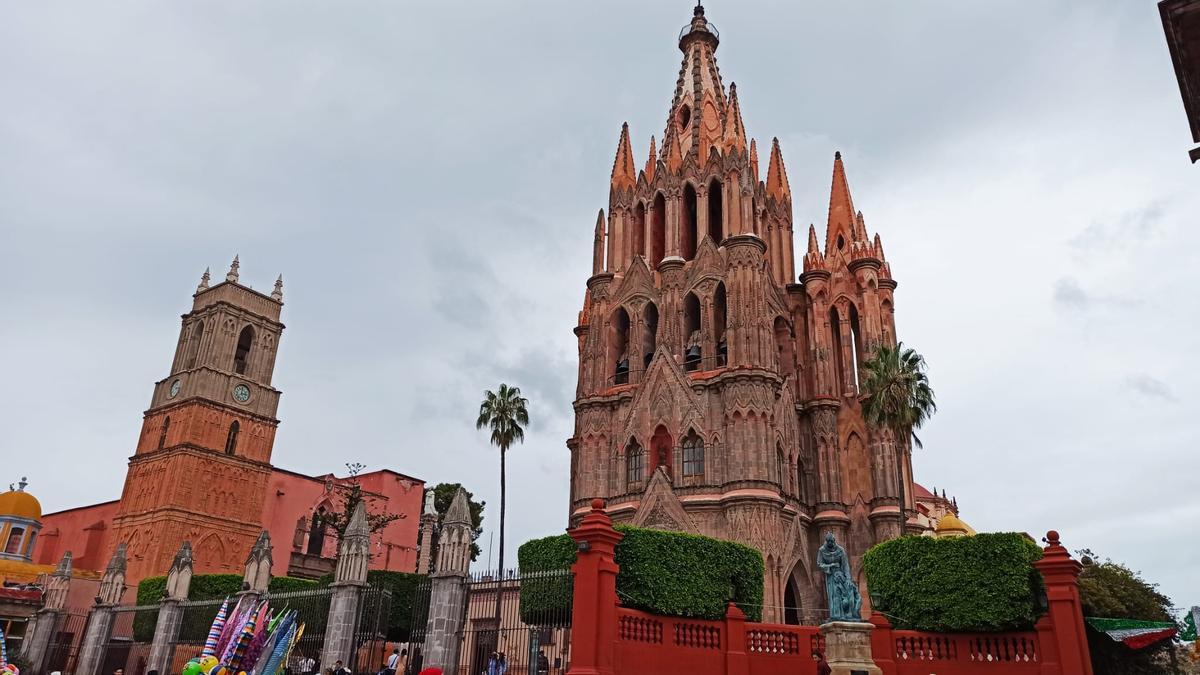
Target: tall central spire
698 109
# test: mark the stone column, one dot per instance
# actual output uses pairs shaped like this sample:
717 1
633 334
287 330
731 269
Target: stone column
848 648
448 588
36 645
170 612
349 579
1061 575
594 604
100 619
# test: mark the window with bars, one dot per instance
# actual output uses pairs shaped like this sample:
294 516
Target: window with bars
693 455
635 462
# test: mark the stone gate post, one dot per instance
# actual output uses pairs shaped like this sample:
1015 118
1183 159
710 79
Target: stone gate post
594 609
349 579
170 610
448 588
100 619
1061 575
36 646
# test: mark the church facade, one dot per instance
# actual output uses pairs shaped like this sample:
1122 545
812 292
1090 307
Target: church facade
717 388
201 470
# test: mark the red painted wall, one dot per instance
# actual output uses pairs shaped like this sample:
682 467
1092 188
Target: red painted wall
82 531
87 531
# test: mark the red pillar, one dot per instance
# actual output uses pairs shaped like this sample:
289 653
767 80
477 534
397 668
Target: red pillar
736 661
883 644
1061 576
594 613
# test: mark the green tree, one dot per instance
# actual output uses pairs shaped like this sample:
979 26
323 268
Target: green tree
896 397
1111 590
349 494
443 494
503 412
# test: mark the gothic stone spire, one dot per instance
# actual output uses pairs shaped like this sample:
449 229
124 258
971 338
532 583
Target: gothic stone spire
258 564
233 271
112 584
624 175
842 225
354 552
179 578
777 182
277 294
204 279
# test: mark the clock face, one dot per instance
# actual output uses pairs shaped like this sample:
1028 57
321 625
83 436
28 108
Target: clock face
174 389
241 393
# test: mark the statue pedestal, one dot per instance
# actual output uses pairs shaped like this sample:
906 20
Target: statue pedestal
848 648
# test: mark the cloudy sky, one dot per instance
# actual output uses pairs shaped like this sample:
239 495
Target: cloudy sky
426 178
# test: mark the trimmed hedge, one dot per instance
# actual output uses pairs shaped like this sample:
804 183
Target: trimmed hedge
151 590
669 573
983 583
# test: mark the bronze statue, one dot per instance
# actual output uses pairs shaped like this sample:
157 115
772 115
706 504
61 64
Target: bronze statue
845 603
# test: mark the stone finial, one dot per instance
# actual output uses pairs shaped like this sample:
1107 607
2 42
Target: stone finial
430 508
64 566
57 584
233 270
354 550
204 279
112 584
179 578
460 509
258 565
277 294
454 543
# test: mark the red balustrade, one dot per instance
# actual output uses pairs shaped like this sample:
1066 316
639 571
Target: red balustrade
614 640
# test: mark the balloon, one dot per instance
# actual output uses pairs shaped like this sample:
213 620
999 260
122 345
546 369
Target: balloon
207 663
11 668
192 668
219 670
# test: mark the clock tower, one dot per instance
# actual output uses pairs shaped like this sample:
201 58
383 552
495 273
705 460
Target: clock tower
200 468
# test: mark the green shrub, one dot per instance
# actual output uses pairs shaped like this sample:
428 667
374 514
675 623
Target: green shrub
981 583
404 589
669 573
544 599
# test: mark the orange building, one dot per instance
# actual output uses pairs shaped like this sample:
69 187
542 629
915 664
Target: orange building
202 472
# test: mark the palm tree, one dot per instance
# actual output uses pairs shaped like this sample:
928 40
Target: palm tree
503 411
896 397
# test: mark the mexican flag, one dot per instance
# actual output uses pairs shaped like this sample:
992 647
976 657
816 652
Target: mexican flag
1189 626
1133 633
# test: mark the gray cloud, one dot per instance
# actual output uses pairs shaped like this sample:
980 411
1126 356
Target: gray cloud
1150 387
1068 293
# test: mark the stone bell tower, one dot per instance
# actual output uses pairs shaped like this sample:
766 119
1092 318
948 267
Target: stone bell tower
202 460
717 393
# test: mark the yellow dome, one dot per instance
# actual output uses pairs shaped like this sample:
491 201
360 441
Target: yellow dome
951 524
20 504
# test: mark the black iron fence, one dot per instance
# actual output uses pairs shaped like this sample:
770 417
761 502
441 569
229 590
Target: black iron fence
63 649
523 618
417 623
128 646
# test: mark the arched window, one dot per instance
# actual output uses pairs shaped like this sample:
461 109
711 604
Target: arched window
316 533
856 346
720 320
835 346
194 345
635 462
658 230
753 216
638 236
716 212
13 545
231 440
649 333
162 435
242 354
693 354
781 471
687 224
618 346
783 345
693 455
